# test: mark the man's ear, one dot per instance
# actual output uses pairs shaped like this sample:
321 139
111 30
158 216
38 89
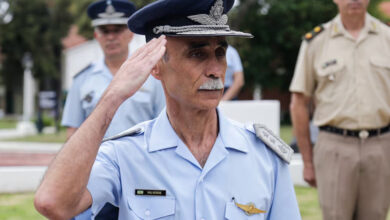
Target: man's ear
131 36
156 70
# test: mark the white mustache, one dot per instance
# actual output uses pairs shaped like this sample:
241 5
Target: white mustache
212 84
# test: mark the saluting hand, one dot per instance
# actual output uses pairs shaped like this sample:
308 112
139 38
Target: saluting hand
135 70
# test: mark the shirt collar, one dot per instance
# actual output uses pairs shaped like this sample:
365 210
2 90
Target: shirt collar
101 67
232 133
162 136
370 26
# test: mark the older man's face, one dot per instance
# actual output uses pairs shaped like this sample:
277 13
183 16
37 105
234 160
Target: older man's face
193 71
352 7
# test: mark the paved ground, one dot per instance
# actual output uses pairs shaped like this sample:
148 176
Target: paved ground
27 154
25 159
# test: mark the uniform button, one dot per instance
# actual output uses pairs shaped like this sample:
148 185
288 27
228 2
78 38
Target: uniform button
147 212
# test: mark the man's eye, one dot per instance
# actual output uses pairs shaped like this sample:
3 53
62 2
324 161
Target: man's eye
220 53
197 54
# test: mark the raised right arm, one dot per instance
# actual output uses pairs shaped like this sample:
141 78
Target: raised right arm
63 192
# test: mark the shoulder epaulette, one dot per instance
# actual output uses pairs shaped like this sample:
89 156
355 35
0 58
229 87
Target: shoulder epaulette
82 70
274 142
129 132
315 32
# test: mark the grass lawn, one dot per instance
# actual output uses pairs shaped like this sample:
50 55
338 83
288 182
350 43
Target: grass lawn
18 207
7 124
59 137
286 133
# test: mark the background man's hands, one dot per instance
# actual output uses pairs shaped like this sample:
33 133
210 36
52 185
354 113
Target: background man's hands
309 175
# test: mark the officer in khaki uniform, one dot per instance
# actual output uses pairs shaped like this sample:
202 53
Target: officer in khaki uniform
344 69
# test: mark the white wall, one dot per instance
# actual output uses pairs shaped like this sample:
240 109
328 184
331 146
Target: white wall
78 57
266 112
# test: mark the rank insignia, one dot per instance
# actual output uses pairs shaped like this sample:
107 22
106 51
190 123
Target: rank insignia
249 209
272 141
88 98
309 36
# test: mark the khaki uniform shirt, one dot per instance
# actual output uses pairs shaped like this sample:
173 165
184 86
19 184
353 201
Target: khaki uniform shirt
349 79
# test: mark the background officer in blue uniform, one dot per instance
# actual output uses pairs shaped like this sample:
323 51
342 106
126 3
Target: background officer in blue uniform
109 17
189 163
234 77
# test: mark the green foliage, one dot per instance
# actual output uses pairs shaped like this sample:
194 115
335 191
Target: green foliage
278 26
374 10
37 27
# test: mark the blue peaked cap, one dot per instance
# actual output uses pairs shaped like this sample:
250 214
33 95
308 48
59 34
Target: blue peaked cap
105 12
184 18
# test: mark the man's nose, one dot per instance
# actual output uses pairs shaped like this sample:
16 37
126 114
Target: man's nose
111 35
216 68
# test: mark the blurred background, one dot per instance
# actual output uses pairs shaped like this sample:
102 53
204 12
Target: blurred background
44 43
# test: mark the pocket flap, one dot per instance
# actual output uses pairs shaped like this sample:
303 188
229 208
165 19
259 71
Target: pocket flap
380 62
149 207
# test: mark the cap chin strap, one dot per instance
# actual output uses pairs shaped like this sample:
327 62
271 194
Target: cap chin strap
165 29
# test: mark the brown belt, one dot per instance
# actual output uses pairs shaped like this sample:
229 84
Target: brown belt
362 134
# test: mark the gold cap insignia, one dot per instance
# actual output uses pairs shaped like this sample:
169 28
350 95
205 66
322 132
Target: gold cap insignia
249 209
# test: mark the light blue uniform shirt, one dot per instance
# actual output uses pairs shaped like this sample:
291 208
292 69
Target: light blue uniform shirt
233 65
239 166
87 89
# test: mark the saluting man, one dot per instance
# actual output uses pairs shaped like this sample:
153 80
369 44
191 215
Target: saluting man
189 163
109 18
344 68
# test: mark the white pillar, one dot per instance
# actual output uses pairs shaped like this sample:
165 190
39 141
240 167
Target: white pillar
28 95
26 127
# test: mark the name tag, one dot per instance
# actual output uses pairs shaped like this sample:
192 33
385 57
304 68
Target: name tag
150 192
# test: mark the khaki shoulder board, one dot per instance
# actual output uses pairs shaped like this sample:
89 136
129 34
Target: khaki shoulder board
129 132
315 32
274 142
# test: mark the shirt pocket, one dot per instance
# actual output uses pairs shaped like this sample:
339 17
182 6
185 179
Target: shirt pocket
150 207
329 77
380 65
232 212
88 102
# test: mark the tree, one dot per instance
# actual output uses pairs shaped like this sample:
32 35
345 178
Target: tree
37 27
278 27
